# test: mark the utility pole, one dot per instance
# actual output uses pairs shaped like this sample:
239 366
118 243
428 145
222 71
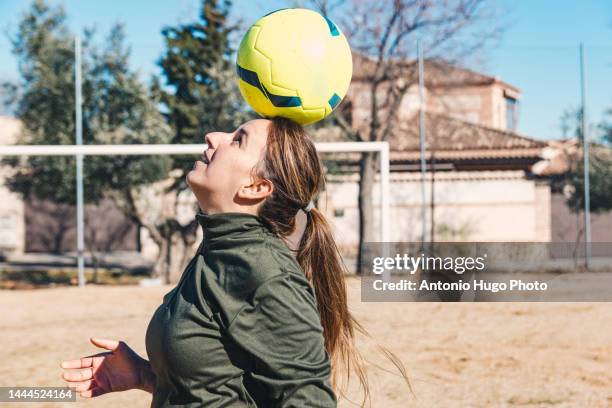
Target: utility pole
585 154
422 141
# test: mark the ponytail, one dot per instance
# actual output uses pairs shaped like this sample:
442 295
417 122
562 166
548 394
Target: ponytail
320 259
292 164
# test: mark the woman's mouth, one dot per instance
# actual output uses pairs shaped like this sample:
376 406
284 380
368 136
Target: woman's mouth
195 164
205 158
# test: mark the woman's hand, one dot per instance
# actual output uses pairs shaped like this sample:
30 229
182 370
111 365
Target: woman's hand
119 369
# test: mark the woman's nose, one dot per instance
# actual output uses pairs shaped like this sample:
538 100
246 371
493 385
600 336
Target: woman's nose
209 139
213 139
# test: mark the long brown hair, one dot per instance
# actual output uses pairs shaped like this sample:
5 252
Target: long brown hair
292 164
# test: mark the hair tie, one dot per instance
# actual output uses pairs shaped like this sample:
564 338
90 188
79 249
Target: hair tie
309 207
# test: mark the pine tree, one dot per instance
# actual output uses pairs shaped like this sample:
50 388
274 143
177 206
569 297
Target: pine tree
201 94
600 166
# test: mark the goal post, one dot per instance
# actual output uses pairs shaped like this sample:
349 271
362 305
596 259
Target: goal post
196 149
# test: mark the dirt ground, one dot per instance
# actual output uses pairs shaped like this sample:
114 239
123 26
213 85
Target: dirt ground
457 355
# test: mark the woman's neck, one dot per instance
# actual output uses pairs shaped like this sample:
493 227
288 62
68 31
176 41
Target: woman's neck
211 209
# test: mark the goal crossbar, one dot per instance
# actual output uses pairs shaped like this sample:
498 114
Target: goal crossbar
176 149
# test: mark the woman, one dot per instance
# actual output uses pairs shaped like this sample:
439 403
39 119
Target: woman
251 322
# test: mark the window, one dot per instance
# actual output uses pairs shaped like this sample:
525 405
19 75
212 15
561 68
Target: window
511 113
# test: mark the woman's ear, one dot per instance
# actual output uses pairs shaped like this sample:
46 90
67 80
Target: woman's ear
257 190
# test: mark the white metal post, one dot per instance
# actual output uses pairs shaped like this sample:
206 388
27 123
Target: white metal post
79 162
385 207
385 191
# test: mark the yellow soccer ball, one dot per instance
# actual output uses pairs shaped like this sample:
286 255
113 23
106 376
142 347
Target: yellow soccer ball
294 63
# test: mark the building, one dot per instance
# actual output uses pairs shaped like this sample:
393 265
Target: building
483 186
12 220
449 89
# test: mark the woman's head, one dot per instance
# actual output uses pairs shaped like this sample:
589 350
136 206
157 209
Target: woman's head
222 181
263 166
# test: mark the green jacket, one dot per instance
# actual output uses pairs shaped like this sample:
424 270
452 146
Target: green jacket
241 327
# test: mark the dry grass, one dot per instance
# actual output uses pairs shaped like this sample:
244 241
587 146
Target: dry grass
457 355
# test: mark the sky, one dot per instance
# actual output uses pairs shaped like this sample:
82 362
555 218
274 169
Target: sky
538 53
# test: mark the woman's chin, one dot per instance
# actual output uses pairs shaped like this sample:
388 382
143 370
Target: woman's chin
195 179
198 167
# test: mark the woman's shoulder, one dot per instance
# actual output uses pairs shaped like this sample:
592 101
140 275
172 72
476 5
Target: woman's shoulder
240 269
285 258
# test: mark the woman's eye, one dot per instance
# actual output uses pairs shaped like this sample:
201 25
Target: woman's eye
237 139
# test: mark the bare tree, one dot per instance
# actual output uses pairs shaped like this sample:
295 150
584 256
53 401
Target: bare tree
383 36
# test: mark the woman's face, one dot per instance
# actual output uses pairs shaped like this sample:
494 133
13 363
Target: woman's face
223 181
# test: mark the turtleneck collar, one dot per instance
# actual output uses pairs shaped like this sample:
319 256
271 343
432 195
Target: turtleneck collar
220 226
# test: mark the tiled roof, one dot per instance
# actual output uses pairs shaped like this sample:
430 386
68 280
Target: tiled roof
451 139
437 73
559 155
